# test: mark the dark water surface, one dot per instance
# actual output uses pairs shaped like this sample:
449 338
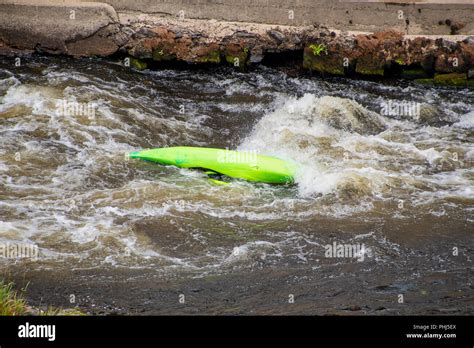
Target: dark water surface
130 237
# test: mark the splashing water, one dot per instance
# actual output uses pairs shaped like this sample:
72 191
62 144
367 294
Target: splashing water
67 187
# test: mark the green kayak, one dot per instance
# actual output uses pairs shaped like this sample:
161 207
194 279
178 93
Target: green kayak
235 164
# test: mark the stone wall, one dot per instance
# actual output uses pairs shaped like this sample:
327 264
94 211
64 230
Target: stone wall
149 39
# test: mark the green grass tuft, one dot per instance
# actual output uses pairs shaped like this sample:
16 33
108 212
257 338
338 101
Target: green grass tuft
318 49
11 303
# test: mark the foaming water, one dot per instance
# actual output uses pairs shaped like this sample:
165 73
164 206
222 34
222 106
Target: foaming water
67 187
347 150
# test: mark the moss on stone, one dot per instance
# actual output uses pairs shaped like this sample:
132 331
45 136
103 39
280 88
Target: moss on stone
453 79
138 63
325 69
160 54
425 82
229 59
322 64
369 71
447 80
414 74
400 61
242 58
213 57
307 62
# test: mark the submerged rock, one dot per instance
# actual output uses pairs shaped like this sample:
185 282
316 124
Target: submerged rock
348 115
432 116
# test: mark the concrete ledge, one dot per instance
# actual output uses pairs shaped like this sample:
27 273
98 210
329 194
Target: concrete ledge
427 17
50 25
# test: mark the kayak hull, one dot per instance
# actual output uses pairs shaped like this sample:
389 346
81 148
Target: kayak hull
236 164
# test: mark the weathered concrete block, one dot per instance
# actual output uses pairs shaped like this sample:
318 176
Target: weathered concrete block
52 25
99 44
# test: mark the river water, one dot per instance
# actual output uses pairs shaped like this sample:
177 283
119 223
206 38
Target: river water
387 167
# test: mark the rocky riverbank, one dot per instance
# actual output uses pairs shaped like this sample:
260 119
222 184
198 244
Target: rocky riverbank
143 39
